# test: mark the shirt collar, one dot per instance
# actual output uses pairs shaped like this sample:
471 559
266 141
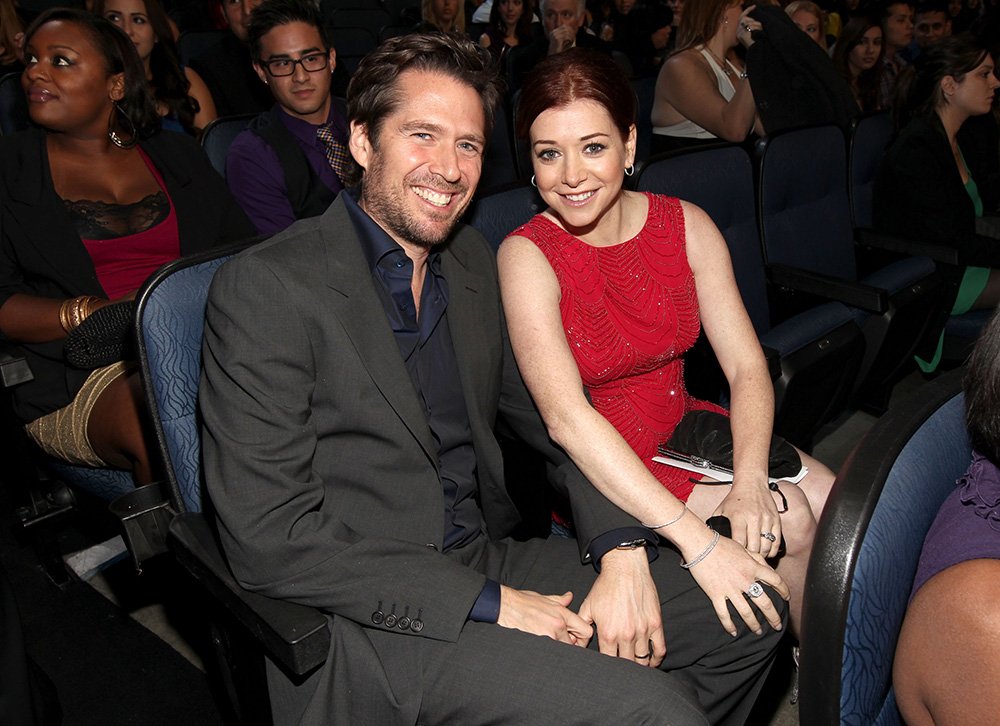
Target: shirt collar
375 241
307 131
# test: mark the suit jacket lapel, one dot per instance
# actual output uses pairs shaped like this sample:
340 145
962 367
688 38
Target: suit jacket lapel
359 310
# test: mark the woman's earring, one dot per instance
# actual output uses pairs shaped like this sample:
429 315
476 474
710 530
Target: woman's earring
630 170
533 181
133 135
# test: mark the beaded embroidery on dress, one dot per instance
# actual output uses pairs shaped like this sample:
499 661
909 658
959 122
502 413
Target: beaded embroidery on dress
630 311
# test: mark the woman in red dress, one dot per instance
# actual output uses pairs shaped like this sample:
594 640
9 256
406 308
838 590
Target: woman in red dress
602 293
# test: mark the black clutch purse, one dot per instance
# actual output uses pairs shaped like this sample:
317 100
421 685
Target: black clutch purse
105 337
705 438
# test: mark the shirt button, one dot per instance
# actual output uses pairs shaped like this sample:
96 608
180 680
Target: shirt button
399 264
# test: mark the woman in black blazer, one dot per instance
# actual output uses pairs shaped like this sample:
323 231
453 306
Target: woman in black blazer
93 201
924 190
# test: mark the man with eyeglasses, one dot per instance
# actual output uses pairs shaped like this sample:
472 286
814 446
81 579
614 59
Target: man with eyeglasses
288 164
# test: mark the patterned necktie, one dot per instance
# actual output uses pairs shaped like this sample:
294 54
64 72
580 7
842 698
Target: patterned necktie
336 152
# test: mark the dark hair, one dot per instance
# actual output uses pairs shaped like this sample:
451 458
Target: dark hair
523 27
982 392
700 21
169 84
373 93
271 14
574 75
867 81
887 4
918 89
119 55
933 6
10 26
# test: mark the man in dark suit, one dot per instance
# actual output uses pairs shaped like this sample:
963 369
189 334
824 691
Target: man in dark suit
355 368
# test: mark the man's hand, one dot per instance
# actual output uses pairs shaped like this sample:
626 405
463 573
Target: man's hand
561 38
625 609
547 615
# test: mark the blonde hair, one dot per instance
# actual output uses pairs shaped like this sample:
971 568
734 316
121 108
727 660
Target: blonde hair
813 9
427 13
10 26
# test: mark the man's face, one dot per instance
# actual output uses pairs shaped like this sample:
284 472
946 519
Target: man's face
422 169
562 12
237 14
304 94
931 26
898 26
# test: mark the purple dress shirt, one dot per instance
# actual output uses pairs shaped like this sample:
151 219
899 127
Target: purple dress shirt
257 180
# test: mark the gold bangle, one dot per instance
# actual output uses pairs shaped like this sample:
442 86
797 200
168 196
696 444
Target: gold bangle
87 306
64 319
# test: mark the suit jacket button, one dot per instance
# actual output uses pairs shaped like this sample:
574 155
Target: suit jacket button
417 625
404 623
377 617
431 545
390 620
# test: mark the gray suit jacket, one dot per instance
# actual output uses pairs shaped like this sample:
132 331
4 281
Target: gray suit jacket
318 457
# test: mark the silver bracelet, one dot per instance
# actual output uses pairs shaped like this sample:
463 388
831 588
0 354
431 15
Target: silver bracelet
704 553
666 524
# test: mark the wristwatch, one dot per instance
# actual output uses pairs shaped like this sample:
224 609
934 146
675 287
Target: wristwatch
632 544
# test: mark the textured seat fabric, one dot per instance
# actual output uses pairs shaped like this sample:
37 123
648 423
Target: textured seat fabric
866 551
105 484
172 322
866 148
219 135
497 215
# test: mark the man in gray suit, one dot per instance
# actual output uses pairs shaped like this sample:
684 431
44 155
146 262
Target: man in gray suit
354 369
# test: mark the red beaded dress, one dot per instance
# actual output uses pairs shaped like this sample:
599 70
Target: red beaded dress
630 312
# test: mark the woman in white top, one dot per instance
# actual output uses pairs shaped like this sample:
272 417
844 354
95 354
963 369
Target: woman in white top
702 92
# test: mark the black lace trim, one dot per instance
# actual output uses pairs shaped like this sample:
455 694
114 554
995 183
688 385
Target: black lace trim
100 220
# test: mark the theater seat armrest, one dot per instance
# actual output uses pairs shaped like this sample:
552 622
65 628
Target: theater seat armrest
850 293
295 636
773 358
914 248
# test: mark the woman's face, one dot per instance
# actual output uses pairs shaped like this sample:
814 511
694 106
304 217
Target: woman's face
131 16
579 159
66 80
445 12
809 24
865 54
676 7
974 94
510 11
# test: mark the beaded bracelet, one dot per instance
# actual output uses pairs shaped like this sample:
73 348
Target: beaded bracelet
666 524
704 553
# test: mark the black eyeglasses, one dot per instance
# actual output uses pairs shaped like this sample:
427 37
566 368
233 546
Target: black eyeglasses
286 66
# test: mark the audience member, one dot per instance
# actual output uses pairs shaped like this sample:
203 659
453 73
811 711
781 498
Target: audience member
227 67
10 28
924 189
95 200
601 294
856 56
182 98
810 19
511 24
931 23
374 489
702 92
564 26
442 15
640 34
291 162
946 669
897 32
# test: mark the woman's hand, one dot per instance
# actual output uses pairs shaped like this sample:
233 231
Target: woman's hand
727 573
748 26
752 513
